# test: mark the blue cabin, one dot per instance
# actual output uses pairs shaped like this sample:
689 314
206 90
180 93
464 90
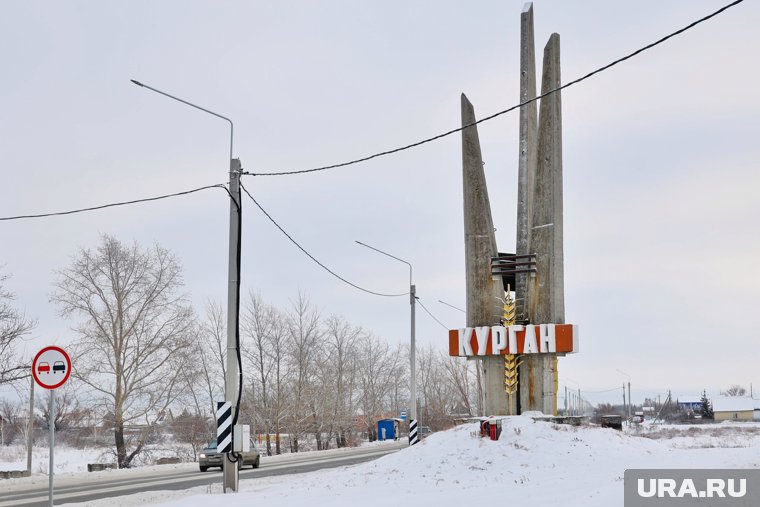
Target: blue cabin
388 429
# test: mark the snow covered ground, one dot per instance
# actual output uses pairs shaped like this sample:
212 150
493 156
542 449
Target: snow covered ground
68 460
534 462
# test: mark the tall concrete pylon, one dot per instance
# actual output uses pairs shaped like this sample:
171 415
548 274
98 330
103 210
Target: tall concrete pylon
528 147
483 290
546 291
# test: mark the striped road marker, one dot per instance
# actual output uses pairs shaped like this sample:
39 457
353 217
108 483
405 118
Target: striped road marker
223 426
413 438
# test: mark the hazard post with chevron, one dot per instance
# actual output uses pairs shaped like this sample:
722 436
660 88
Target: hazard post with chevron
223 426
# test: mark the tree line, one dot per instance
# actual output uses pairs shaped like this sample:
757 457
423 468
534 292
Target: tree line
311 380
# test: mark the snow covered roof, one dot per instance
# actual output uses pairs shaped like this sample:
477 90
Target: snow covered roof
733 404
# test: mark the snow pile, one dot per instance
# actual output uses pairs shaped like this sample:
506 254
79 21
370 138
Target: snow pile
534 462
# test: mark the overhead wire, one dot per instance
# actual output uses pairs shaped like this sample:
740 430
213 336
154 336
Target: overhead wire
586 391
431 315
505 111
333 273
114 204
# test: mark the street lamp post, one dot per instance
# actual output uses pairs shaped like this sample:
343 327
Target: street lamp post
413 438
230 475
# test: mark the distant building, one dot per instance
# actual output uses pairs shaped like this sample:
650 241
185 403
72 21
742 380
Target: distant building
733 408
690 403
757 410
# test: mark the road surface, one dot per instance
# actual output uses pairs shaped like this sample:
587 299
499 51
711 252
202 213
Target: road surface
109 484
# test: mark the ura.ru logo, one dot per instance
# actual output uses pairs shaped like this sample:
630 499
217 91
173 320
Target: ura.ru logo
713 488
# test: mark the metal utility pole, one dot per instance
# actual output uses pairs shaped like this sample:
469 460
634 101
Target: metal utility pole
231 381
630 420
413 439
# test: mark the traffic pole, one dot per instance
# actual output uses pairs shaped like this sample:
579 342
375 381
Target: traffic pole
413 436
51 421
230 468
30 429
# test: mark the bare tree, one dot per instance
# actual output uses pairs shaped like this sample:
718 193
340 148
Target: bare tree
13 326
258 321
734 390
338 371
379 366
303 335
463 384
211 352
277 348
194 429
12 420
131 345
68 409
436 395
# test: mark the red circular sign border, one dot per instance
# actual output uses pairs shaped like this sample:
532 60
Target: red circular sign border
68 370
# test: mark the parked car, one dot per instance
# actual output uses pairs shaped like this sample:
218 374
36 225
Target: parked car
210 457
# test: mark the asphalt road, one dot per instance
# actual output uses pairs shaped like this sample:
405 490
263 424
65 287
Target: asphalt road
109 485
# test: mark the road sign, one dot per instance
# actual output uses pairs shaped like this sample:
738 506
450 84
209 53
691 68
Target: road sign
51 367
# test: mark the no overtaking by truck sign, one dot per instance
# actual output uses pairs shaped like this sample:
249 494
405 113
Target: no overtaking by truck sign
51 367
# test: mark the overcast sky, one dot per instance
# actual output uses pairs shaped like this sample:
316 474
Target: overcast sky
660 161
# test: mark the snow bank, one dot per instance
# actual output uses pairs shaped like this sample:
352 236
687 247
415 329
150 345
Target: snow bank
535 462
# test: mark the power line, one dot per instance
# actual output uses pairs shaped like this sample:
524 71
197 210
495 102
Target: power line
431 315
505 111
586 391
111 205
311 256
452 306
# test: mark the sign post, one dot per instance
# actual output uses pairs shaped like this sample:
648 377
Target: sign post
51 369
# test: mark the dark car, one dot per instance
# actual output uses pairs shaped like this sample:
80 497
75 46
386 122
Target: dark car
424 431
209 457
59 366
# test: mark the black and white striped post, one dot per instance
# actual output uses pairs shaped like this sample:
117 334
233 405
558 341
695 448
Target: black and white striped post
223 426
413 438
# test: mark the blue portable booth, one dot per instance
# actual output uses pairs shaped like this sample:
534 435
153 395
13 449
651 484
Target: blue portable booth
388 429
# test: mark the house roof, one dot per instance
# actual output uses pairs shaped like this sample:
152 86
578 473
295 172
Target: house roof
733 404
